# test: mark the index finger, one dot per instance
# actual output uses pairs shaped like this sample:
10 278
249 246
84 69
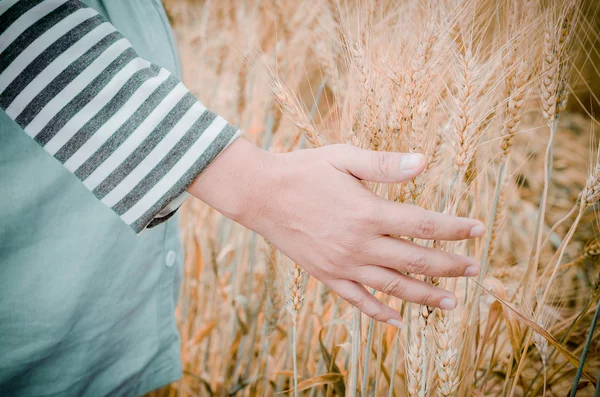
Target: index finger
411 221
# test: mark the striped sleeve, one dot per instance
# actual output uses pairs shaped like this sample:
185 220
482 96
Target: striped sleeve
128 129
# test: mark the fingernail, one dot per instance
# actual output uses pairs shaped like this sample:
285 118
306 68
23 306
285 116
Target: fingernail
394 323
472 271
410 161
477 231
447 304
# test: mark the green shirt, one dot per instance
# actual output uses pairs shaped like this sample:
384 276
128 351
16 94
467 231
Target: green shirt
86 304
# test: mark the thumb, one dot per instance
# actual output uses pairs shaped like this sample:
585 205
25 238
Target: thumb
373 166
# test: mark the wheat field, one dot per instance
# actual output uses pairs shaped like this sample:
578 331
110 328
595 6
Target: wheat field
501 96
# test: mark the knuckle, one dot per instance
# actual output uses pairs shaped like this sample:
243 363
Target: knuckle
357 300
348 247
394 287
427 298
320 273
428 228
339 152
368 214
454 269
417 265
337 149
461 232
379 313
381 163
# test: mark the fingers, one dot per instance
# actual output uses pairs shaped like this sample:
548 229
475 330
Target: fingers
406 256
359 297
416 222
405 287
370 165
395 218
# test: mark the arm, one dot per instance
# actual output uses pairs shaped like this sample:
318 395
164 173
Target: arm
138 139
128 129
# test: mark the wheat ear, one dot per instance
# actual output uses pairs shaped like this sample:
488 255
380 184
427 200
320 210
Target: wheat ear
446 356
297 114
295 296
415 359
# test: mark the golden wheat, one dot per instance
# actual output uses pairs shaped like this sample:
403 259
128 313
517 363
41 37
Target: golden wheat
452 79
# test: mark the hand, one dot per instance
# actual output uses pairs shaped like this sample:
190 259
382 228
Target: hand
312 205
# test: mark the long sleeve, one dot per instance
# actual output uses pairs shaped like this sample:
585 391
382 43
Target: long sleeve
129 130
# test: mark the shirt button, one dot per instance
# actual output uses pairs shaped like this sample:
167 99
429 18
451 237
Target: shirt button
170 259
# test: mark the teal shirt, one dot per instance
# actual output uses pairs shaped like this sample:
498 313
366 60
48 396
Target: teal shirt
86 305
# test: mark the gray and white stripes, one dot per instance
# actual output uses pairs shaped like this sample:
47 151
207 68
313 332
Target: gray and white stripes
128 129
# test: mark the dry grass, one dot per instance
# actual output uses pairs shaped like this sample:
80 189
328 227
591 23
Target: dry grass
494 93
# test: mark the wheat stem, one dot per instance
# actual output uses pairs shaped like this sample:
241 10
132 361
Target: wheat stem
295 358
554 265
563 339
328 337
394 362
586 348
266 366
379 356
353 382
536 250
365 381
491 223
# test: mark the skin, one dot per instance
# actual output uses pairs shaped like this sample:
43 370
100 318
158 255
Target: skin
312 205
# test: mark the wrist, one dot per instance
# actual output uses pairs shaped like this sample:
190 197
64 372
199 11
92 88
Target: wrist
237 183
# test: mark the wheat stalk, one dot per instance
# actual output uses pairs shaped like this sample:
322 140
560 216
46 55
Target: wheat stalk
516 83
553 98
542 346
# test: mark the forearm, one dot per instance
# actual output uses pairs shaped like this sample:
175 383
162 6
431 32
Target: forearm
128 129
236 181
